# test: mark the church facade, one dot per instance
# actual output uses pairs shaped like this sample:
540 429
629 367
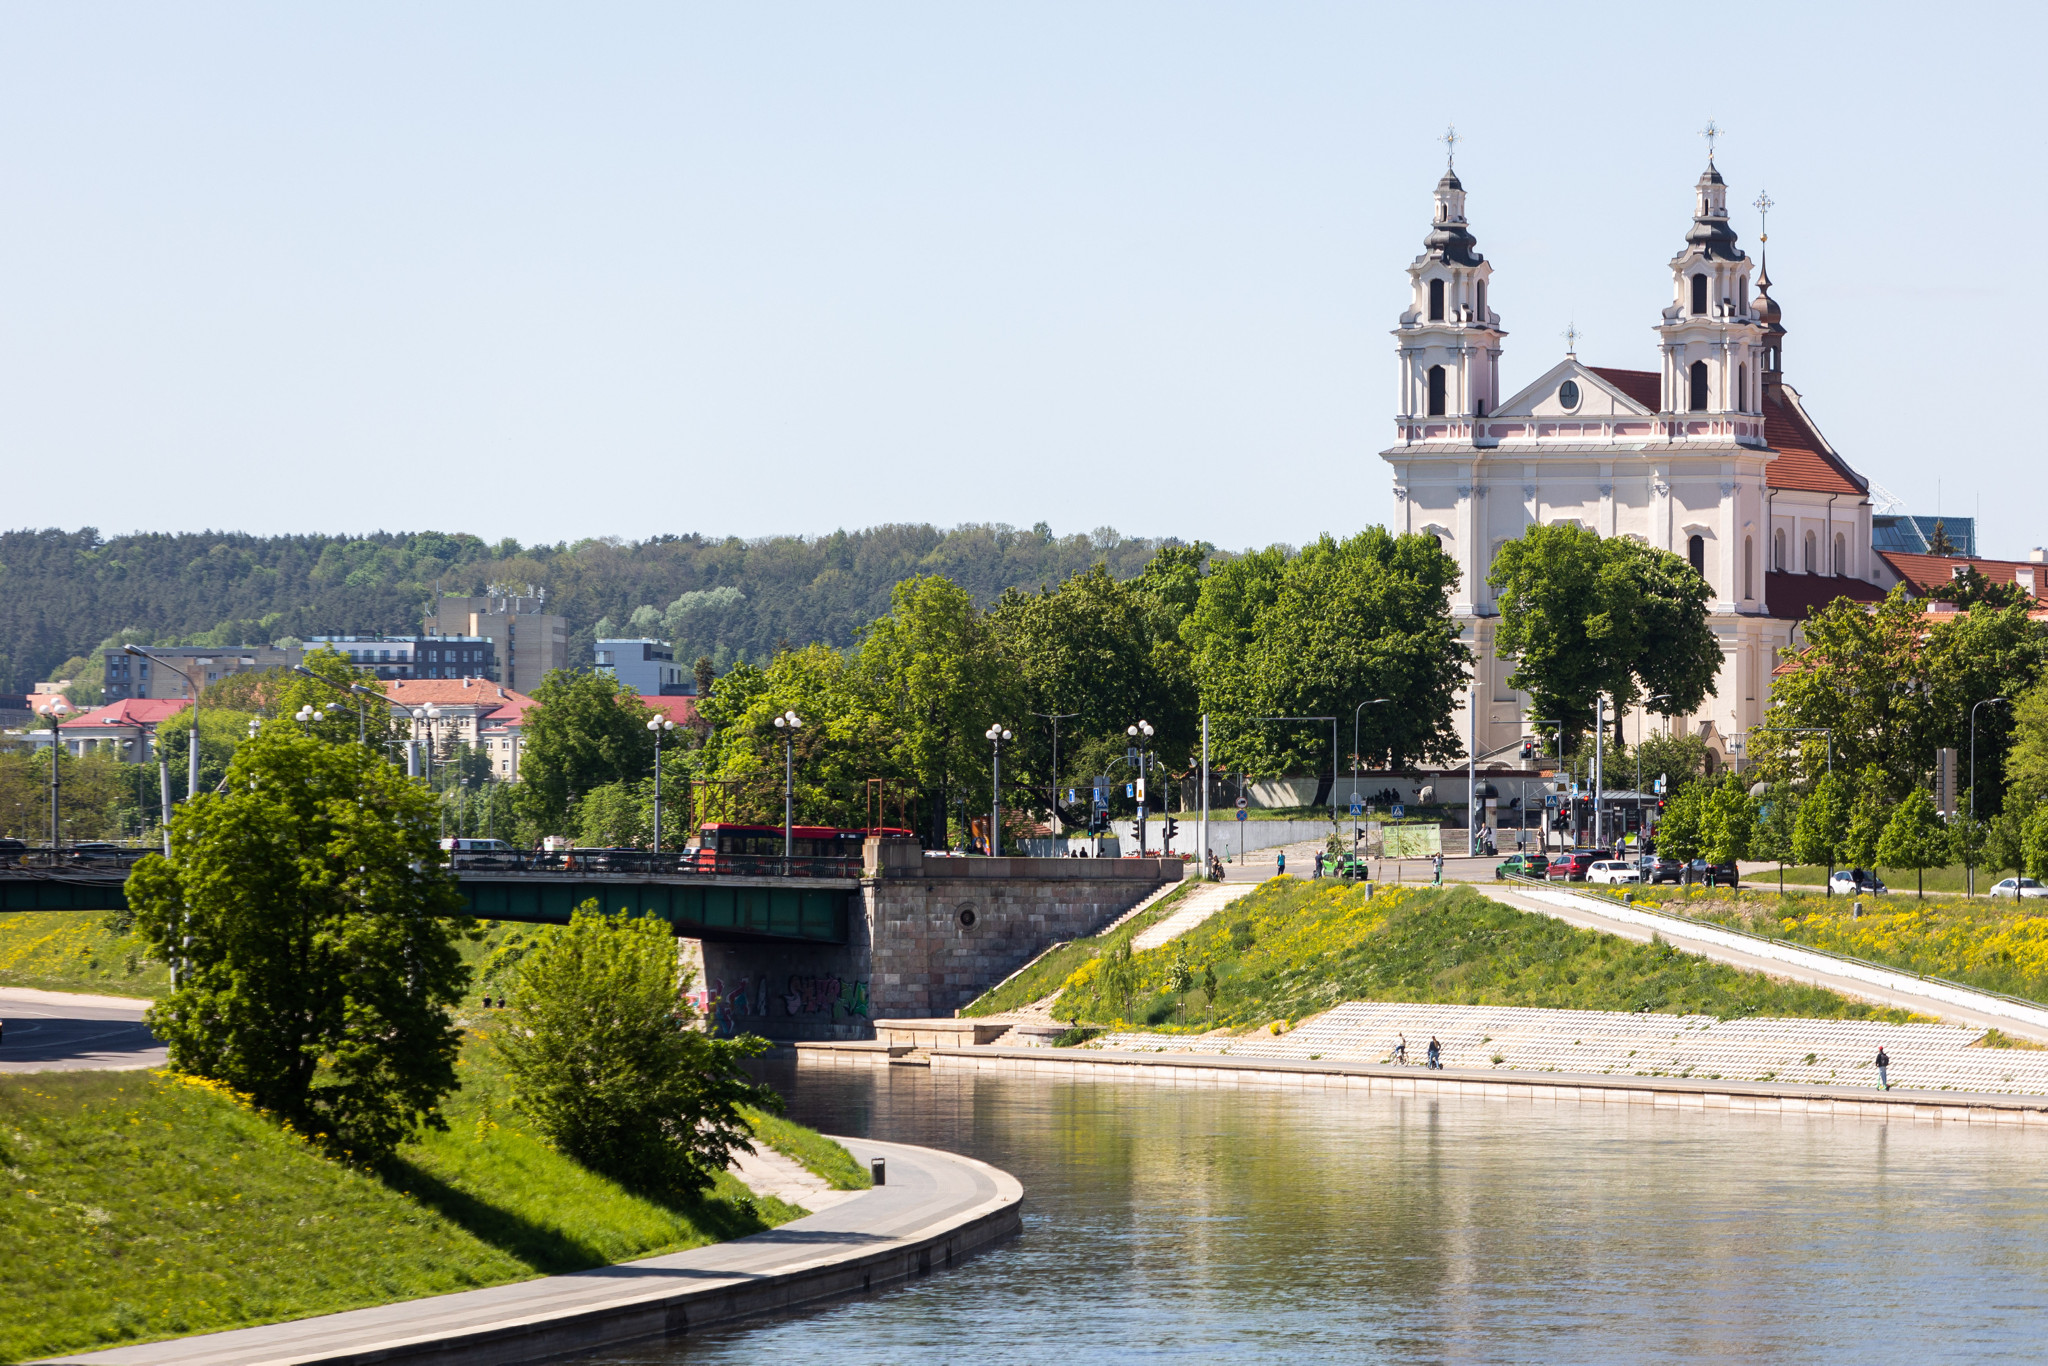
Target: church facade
1711 455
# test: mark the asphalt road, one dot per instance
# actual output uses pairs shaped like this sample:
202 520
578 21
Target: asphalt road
51 1031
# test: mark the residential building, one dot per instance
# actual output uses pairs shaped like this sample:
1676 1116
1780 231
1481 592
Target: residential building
137 676
501 733
423 656
1711 456
462 703
126 728
527 639
1922 574
646 666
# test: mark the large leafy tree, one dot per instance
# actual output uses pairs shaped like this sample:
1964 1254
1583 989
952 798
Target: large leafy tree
1820 832
1914 838
583 732
843 741
2027 769
314 924
1317 633
600 1045
1583 616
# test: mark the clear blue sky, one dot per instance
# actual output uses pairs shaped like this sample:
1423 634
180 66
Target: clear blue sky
583 270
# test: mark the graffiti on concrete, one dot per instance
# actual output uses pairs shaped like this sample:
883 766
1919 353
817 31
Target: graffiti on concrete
845 999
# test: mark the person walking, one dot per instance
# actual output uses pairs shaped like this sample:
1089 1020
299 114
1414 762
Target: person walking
1319 865
1401 1050
1436 870
1436 1055
1884 1082
1282 870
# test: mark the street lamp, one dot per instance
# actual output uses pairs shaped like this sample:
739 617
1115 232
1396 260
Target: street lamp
660 725
255 724
1970 845
1355 801
787 723
57 711
427 716
1141 733
995 735
192 734
1640 717
1055 717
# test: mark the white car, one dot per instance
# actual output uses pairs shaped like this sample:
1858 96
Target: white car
1612 870
1856 882
2017 887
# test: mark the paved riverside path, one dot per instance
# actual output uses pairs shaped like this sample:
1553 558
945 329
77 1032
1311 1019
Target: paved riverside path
1943 1001
57 1031
935 1208
1203 900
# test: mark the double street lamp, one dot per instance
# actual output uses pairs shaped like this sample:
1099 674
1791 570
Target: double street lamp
1357 801
661 726
1141 733
192 734
1971 846
56 713
995 735
787 723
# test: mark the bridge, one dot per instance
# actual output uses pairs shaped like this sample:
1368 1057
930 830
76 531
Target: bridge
729 899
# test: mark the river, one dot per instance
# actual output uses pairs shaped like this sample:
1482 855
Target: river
1284 1226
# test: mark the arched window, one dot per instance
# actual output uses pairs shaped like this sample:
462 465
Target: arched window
1436 301
1480 294
1778 550
1841 555
1696 551
1699 294
1696 384
1742 388
1436 391
1749 567
1810 554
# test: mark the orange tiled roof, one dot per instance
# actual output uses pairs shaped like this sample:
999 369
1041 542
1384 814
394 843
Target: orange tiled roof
131 711
450 692
1804 461
681 710
1925 572
1793 597
1644 386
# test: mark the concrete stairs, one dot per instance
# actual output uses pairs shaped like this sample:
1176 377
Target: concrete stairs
1202 901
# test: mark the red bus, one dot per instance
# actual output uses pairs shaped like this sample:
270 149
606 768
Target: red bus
721 844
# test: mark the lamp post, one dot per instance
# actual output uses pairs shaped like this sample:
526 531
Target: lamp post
661 726
192 734
1830 734
787 723
1141 732
56 713
1055 717
1971 845
1355 803
426 716
1640 717
995 735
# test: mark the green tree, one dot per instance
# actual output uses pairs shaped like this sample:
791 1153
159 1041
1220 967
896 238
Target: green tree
1583 616
1914 838
583 732
1968 657
1861 677
1820 832
2027 769
2004 846
2034 842
221 734
1682 833
1868 812
317 924
621 815
1727 821
1777 829
1317 633
1680 759
600 1046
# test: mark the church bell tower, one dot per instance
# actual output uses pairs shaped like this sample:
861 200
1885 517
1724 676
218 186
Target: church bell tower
1449 339
1711 336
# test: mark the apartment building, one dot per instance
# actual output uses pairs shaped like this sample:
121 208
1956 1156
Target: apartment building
422 656
528 641
646 666
136 676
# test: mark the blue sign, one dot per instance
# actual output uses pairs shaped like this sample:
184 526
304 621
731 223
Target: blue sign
1070 796
1400 810
1130 789
1242 814
1357 807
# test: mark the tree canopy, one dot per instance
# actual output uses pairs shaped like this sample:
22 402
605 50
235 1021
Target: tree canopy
583 732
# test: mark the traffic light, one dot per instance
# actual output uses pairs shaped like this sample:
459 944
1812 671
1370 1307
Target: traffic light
1171 826
1097 820
1528 750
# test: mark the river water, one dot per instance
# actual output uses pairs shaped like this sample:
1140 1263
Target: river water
1281 1226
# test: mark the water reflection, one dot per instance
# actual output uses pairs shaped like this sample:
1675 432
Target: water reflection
1278 1226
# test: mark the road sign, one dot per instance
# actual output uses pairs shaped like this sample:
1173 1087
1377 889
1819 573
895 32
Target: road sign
1243 814
1399 810
1070 796
1357 807
1575 789
1658 786
1141 789
1130 789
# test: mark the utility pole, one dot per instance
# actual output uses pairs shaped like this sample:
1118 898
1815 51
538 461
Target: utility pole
1055 717
1599 777
1205 794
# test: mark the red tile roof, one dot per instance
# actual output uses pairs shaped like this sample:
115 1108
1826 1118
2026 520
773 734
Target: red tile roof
1793 597
1644 386
449 692
131 711
1804 461
681 710
1925 572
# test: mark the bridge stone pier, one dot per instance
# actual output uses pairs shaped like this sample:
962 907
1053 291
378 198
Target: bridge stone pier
927 935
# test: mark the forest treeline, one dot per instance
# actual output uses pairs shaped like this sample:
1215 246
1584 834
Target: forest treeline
63 593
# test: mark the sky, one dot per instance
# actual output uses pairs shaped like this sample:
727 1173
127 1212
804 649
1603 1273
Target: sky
557 272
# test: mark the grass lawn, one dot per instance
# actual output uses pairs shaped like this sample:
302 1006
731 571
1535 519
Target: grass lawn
1297 947
1043 977
138 1206
1990 944
811 1150
77 951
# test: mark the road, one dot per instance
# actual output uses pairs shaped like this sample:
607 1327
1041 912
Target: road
54 1031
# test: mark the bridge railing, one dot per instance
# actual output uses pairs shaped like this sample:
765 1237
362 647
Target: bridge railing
646 863
93 858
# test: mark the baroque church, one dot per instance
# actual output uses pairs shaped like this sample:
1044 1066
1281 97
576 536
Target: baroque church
1711 456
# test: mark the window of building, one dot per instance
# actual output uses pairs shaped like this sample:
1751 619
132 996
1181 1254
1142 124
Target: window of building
1749 567
1699 294
1696 551
1810 554
1479 293
1568 395
1742 387
1696 387
1436 391
1436 301
1778 550
1841 555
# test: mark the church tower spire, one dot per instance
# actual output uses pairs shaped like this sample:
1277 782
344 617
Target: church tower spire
1767 311
1711 336
1448 340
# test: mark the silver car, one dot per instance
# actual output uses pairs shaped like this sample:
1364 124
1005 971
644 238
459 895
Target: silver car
2017 887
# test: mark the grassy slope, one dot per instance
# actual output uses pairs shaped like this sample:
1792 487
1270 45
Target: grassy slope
1296 947
76 951
811 1150
1900 880
1043 978
135 1206
1993 945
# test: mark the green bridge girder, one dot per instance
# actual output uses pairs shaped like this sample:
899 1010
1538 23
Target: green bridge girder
697 907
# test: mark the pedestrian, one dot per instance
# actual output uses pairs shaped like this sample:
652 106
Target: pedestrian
1319 864
1884 1082
1282 856
1436 1055
1401 1051
1436 869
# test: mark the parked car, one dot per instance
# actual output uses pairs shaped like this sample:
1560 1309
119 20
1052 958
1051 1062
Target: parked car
1658 868
1856 882
1611 871
2017 887
1720 874
1572 867
1523 865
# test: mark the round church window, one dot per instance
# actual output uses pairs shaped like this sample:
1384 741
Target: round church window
1568 394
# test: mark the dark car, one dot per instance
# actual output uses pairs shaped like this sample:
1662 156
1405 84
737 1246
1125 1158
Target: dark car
1572 867
1720 874
1523 865
11 851
1657 868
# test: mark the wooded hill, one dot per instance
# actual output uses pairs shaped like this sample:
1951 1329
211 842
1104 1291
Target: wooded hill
62 593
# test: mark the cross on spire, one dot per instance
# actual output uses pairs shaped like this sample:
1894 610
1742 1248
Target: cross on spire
1571 341
1450 142
1711 132
1763 213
